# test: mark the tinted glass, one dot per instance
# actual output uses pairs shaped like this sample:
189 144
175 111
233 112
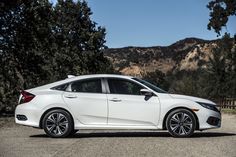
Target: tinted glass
120 86
153 87
87 86
61 87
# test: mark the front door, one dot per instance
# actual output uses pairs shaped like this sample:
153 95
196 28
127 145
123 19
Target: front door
128 107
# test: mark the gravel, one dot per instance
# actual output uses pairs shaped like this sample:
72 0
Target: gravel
19 141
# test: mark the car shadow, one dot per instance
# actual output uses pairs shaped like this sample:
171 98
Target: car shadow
137 134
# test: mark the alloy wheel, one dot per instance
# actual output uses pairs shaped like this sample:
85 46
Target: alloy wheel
181 123
57 124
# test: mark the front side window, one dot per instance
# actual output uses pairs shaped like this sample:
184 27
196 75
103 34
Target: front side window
121 86
149 85
87 86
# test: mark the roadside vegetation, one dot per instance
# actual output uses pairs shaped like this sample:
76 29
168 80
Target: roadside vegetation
229 111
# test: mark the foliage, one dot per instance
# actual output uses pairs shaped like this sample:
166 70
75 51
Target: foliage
222 66
41 43
221 69
158 78
217 73
229 111
189 83
220 11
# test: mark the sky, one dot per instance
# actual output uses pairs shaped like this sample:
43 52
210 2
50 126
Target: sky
153 22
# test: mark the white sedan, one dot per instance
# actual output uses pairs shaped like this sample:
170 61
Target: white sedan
105 101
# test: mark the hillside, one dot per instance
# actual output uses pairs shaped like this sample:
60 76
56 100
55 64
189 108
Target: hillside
188 54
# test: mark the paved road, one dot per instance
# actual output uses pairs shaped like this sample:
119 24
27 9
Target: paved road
20 141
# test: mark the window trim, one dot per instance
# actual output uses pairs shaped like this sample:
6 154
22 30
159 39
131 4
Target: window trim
105 90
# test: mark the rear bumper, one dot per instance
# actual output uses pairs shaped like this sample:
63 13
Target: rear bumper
26 114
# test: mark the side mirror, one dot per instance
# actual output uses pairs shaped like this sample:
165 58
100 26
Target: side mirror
146 92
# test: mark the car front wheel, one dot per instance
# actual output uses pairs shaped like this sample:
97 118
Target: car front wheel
57 123
181 123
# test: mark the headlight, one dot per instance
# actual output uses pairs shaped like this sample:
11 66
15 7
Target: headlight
208 106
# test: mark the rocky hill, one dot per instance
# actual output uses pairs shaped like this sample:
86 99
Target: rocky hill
188 54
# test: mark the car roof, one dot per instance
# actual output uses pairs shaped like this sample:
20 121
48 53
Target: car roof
75 78
101 75
80 77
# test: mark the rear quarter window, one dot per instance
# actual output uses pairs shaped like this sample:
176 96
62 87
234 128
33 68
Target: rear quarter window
60 87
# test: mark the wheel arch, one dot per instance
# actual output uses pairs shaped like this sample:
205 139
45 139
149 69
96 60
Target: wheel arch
166 115
50 109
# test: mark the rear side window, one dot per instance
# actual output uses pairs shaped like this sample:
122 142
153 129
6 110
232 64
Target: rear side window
87 86
121 86
60 87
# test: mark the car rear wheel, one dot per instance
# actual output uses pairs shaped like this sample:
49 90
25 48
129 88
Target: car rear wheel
181 123
58 123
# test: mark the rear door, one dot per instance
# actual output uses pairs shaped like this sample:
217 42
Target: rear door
87 100
128 107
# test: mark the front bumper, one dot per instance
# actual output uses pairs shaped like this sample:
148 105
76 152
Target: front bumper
208 119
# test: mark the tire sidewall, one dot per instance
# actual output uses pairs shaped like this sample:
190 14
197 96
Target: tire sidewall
190 114
70 123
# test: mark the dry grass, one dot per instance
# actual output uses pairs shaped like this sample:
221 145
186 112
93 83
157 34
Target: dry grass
7 122
229 111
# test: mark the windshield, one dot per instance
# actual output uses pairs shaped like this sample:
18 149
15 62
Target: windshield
149 85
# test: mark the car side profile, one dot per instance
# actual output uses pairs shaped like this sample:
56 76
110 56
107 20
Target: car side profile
105 101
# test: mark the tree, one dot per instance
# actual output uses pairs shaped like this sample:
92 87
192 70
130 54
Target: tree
188 82
24 36
222 66
220 10
221 76
158 78
78 41
40 43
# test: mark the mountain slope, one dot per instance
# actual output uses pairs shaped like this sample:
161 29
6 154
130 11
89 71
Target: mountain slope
187 54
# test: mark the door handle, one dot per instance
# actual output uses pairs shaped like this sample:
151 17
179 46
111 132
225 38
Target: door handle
115 100
70 96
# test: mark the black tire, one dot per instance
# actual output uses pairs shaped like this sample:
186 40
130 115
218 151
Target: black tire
55 128
73 132
181 123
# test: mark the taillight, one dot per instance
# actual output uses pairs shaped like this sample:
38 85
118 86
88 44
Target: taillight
26 97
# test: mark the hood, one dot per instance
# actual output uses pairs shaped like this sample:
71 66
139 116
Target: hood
195 99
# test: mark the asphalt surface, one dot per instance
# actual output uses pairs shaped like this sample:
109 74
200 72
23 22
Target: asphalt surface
21 141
